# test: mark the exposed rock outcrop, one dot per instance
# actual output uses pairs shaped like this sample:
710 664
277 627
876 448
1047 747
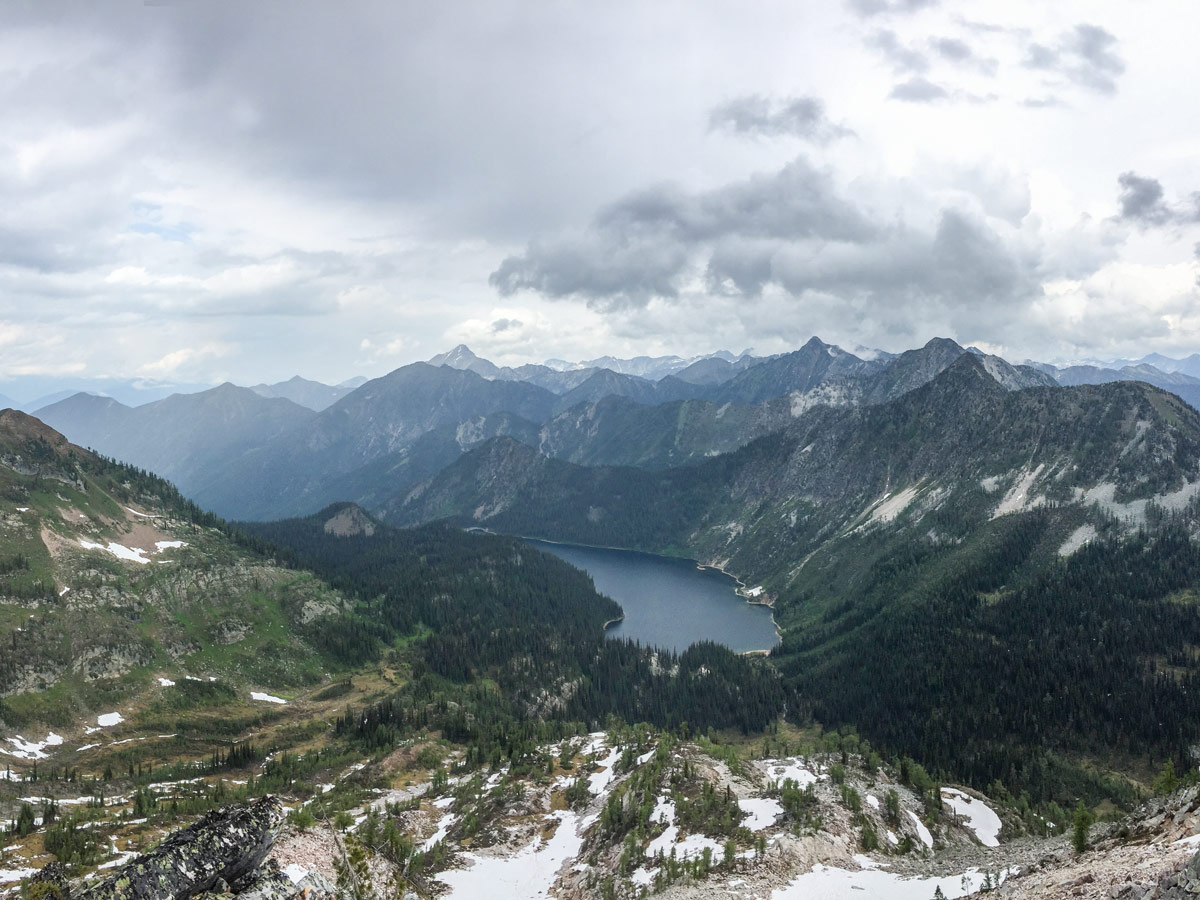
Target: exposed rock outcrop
224 846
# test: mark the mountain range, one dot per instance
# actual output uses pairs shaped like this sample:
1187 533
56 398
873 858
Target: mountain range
946 554
290 449
985 567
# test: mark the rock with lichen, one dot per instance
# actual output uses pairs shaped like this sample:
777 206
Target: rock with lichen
220 849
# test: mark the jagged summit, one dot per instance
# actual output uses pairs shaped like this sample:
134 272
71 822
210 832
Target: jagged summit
461 357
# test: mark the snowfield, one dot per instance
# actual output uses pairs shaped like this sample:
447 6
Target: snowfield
529 874
981 818
825 883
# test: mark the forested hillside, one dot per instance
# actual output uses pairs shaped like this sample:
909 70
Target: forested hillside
485 608
998 582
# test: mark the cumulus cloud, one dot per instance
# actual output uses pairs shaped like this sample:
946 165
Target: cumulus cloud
1086 56
505 324
960 53
919 90
755 115
902 57
1142 202
641 246
794 239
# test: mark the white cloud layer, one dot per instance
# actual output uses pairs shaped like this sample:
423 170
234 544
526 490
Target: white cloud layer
201 191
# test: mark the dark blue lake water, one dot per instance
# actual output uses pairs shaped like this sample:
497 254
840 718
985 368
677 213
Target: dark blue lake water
670 602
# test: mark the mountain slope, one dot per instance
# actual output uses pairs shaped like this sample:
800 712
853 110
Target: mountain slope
109 579
946 518
184 438
620 431
1186 387
801 370
378 419
1120 442
310 394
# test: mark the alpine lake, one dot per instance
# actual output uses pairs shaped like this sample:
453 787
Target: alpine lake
670 602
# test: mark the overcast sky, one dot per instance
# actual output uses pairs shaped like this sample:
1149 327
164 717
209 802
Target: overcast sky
199 191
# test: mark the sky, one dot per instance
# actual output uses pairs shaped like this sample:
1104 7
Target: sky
194 192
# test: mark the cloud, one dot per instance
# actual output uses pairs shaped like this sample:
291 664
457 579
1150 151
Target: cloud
958 52
505 324
170 365
1142 201
903 59
1085 56
792 240
918 90
755 115
641 246
872 8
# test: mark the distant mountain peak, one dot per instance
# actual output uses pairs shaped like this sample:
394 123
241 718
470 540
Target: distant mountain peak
941 343
461 357
458 358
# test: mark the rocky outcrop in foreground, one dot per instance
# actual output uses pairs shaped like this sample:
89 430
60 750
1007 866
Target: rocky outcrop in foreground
220 850
1149 855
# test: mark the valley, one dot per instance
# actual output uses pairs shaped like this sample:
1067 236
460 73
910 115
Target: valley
976 586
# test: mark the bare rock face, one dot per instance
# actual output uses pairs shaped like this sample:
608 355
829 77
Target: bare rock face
349 522
224 846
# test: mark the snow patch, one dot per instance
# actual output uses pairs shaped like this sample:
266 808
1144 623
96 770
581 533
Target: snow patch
796 769
761 812
266 698
23 749
527 875
443 828
826 883
108 720
691 846
981 818
600 780
120 551
169 545
922 831
664 811
166 682
295 873
642 876
142 514
7 875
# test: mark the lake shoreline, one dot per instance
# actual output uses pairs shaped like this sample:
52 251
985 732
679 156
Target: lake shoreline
744 592
589 558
